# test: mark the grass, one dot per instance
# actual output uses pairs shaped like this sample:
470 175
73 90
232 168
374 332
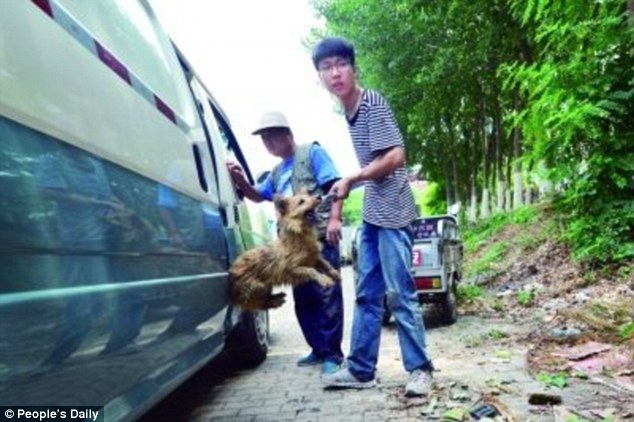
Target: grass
468 293
611 320
479 234
485 248
525 297
626 331
496 334
497 305
559 380
485 263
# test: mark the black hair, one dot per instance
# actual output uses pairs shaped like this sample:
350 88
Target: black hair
277 130
333 47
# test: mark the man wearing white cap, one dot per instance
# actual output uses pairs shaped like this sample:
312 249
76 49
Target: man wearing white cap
319 309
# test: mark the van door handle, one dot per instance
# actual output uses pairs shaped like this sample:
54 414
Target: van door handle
200 169
223 215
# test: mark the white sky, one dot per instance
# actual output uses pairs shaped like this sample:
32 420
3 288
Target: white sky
250 55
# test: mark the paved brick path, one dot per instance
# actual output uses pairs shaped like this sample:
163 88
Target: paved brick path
278 390
468 360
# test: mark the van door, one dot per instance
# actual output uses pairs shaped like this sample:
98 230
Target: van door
113 259
217 156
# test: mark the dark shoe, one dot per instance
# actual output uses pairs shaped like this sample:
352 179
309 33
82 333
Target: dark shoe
310 360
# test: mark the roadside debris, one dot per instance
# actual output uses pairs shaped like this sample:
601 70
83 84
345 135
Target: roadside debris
544 398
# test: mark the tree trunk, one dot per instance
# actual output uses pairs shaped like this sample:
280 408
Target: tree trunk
508 193
484 206
456 186
517 153
517 189
473 201
454 164
472 157
499 155
448 195
528 199
507 199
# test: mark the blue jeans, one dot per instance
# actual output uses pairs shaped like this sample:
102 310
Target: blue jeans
319 311
385 259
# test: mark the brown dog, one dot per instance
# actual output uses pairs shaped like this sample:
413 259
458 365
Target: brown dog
294 258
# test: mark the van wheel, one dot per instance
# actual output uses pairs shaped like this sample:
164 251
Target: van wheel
448 304
248 342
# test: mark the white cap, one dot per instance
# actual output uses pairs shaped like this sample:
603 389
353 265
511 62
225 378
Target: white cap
271 119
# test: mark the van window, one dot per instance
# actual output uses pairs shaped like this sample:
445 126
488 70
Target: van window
130 31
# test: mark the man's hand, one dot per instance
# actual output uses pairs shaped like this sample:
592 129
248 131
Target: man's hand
237 173
241 183
340 189
333 231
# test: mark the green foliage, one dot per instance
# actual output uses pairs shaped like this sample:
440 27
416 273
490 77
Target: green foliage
430 200
524 216
626 331
604 235
559 380
477 235
575 418
468 293
560 73
626 270
353 208
496 334
577 118
497 305
525 297
503 354
528 241
486 262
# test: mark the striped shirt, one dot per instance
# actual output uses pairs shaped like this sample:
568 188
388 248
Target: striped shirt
389 201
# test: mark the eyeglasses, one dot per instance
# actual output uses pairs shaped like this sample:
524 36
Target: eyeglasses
327 67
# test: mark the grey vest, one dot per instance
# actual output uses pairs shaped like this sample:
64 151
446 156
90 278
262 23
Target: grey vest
302 177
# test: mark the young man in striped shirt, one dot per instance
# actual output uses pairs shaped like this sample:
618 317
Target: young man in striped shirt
385 250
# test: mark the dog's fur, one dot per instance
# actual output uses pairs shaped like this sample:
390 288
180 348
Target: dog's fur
294 258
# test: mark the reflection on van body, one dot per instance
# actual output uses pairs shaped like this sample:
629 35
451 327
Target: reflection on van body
89 269
118 219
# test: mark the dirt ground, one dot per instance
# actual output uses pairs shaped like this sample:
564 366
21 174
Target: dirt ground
543 324
488 359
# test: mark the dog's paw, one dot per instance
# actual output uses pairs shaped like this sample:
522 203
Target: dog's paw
335 275
325 280
276 300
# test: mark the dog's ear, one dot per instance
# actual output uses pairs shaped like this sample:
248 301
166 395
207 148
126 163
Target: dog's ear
281 204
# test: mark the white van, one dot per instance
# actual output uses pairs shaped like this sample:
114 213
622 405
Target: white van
118 219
